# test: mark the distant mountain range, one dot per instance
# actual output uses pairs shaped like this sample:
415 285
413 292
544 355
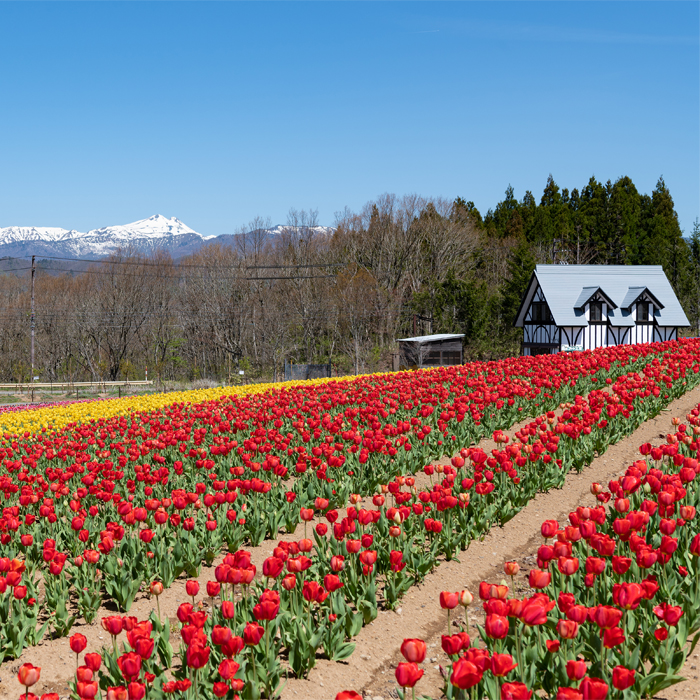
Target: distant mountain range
146 236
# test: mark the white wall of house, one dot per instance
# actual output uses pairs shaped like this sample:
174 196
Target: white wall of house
540 335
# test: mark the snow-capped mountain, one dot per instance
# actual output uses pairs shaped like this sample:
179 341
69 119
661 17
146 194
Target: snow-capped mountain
147 235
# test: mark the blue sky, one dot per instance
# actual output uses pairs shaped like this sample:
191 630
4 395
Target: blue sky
218 112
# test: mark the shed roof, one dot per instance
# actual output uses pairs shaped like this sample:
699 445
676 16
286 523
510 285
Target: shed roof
563 286
420 339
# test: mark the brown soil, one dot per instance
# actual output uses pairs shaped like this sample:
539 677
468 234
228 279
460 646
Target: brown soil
370 669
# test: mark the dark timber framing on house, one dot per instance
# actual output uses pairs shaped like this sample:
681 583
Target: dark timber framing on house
582 307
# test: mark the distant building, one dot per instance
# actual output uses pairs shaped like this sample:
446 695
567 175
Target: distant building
438 350
581 307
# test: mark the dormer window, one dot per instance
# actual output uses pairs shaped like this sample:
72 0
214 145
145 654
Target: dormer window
540 312
596 312
643 311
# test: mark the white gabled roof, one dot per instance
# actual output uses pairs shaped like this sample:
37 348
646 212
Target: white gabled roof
563 286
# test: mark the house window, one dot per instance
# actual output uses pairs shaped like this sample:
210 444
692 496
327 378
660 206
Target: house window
596 312
540 312
642 311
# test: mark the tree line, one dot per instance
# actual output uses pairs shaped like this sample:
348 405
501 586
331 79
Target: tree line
398 267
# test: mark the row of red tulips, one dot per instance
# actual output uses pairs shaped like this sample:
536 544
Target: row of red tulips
616 604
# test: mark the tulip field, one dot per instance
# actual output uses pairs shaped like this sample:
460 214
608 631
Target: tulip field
108 501
615 609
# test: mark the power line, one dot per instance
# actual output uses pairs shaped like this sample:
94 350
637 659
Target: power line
178 277
181 265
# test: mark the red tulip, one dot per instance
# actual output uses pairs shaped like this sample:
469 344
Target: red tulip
613 637
137 691
192 588
576 670
621 565
332 583
253 633
539 579
220 689
78 642
112 624
465 674
232 646
449 601
622 678
567 629
606 617
535 610
93 662
408 674
414 650
496 626
228 669
628 596
515 691
511 568
28 674
502 664
130 665
451 645
593 689
549 528
266 610
272 567
672 613
568 565
197 655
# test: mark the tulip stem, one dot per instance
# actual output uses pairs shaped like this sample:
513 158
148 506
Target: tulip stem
518 632
603 674
448 622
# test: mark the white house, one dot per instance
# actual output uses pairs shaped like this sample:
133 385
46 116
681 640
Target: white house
581 307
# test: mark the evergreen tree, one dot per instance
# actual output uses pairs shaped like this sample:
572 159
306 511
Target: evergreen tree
624 223
663 241
521 265
692 305
593 219
553 224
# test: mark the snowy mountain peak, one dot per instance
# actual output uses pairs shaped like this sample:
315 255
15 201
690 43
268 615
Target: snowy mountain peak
157 232
155 226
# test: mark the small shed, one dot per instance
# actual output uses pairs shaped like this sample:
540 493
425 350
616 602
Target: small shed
440 350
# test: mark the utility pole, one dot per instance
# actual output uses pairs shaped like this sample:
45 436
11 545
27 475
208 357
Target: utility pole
32 318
